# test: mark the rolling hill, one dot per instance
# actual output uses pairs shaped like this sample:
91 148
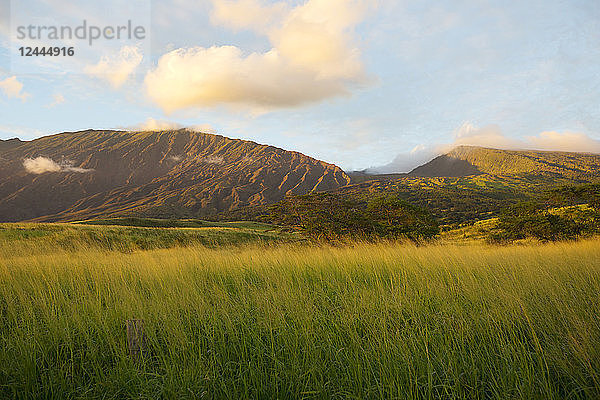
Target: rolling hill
180 173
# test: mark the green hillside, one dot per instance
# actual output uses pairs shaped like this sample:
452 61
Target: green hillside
470 183
580 167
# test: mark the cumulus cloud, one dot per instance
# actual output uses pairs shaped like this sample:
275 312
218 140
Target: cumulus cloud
117 68
490 136
40 165
12 88
312 58
315 36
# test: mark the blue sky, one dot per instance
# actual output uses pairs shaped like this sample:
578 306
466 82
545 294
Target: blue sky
360 83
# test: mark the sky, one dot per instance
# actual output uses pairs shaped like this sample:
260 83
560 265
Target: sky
381 85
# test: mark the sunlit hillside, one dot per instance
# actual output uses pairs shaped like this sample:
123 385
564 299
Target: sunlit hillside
176 173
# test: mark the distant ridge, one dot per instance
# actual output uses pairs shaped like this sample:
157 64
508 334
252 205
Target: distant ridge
9 144
178 173
472 160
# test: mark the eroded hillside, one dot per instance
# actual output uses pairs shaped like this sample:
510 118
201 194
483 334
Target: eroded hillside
173 173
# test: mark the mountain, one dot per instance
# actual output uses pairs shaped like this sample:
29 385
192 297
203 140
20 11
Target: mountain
180 173
472 183
471 160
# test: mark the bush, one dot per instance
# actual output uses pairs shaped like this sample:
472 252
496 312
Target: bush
533 220
332 216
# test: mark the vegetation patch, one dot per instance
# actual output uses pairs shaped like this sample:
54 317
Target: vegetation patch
534 220
44 238
332 216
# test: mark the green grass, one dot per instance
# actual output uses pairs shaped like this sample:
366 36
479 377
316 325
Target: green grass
384 320
476 232
44 238
176 223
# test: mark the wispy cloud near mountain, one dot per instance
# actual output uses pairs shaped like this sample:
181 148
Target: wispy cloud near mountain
41 165
491 136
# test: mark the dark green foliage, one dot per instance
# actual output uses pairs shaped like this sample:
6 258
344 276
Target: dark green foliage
332 216
535 220
453 201
575 194
394 217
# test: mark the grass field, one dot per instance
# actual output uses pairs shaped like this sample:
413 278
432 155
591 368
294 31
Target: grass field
126 235
261 319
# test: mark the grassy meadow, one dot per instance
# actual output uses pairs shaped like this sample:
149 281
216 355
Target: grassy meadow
127 235
256 318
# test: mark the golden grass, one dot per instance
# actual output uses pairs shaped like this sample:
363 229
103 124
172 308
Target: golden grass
386 320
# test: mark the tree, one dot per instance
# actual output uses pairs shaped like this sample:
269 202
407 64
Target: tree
331 216
394 217
534 220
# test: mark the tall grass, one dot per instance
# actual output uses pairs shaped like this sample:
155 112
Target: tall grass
361 321
38 239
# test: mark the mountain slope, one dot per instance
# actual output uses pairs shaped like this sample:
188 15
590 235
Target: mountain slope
9 144
173 173
471 160
473 183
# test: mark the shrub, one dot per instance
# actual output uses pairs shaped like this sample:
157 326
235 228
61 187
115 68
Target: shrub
533 220
332 216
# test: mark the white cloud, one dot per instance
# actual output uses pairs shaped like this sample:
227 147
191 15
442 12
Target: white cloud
406 162
153 125
491 136
67 166
203 128
156 125
567 141
12 88
40 165
56 100
315 36
488 136
313 58
117 68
